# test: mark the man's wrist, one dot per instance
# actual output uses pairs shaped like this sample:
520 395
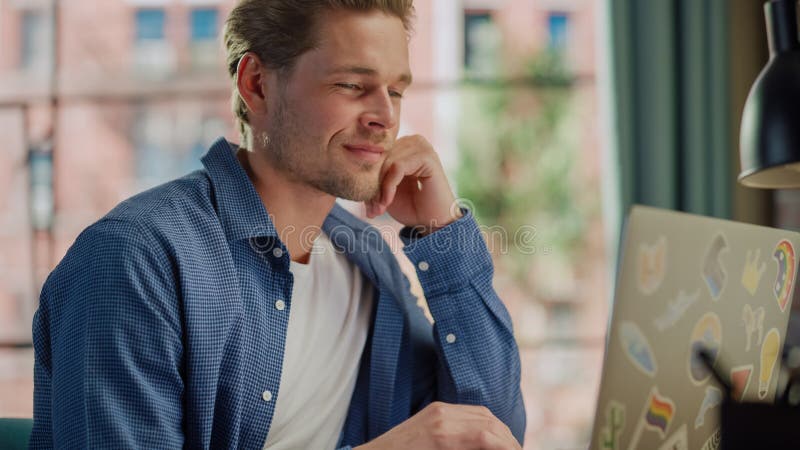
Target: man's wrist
434 226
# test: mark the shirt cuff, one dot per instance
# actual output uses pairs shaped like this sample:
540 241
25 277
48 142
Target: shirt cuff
450 257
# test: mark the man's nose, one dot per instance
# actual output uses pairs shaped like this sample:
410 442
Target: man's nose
381 113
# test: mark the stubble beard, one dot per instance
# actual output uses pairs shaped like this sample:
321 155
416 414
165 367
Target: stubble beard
323 169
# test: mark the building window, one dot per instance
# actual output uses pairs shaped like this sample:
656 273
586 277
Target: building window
35 34
203 47
154 55
150 24
557 30
204 24
481 45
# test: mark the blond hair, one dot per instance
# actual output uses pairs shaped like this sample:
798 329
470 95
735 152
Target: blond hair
279 31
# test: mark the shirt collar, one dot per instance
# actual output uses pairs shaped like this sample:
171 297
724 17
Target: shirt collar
241 210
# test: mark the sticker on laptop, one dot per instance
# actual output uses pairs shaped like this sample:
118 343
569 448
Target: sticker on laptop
615 422
707 334
713 441
784 256
637 348
753 324
712 399
768 360
678 441
740 381
713 272
753 270
675 310
652 264
656 416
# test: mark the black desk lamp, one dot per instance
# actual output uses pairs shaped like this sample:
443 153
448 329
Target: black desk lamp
770 154
770 131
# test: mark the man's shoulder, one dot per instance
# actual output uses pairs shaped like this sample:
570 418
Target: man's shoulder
162 218
188 197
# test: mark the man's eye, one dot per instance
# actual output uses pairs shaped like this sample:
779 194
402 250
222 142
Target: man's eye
395 94
348 86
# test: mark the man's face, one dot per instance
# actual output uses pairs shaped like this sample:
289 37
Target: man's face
336 115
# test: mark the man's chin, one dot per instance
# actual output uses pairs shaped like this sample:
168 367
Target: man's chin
359 195
354 187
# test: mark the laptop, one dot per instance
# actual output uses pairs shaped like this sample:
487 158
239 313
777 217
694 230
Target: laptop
687 282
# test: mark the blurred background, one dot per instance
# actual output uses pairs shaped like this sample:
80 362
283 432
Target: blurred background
551 117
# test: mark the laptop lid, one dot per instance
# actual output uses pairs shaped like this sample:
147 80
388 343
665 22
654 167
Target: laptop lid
686 282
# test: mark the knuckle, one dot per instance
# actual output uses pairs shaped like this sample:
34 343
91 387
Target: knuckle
438 409
499 428
484 438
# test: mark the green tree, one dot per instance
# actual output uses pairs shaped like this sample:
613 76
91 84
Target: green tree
518 146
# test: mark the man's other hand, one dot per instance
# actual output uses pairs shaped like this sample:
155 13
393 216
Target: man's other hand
447 426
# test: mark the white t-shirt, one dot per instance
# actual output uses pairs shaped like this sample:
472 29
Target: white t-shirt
329 320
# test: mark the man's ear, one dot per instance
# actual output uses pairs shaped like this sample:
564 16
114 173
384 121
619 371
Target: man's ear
250 83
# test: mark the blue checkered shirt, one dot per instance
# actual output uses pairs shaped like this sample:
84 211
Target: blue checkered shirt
158 328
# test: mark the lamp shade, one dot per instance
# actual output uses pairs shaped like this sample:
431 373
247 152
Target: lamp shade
770 130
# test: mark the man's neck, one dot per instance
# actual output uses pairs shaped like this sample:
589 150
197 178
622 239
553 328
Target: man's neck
297 211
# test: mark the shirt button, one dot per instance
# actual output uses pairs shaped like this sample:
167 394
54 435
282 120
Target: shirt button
277 252
423 266
450 338
267 396
280 305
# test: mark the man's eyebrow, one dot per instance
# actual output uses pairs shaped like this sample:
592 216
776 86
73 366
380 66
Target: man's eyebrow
358 70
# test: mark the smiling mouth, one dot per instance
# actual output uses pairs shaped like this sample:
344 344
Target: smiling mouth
367 153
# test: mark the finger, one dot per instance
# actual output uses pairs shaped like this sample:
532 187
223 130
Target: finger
496 438
471 434
469 425
393 177
371 208
487 439
483 419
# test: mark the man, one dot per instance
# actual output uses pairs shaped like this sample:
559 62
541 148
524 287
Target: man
168 322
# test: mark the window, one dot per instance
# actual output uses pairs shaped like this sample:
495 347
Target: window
154 55
35 33
557 29
204 24
150 24
481 45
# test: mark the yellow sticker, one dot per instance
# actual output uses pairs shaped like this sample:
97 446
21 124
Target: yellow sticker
752 272
769 358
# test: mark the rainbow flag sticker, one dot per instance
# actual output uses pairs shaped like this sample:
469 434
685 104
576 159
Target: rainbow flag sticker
784 256
659 413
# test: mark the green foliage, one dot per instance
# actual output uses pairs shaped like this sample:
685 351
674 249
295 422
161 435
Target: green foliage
518 145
